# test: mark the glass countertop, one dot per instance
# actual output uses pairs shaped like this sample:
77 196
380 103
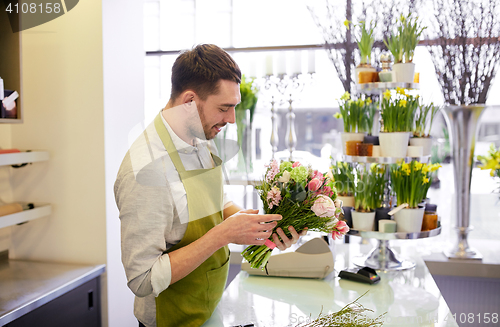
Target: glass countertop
409 298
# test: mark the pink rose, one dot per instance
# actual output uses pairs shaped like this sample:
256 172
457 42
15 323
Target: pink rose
318 175
296 164
314 184
340 230
323 206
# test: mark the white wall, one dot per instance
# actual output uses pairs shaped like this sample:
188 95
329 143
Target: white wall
123 109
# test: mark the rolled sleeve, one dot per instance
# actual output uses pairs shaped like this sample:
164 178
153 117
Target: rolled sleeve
146 214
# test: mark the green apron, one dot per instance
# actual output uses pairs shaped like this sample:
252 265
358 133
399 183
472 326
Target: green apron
192 300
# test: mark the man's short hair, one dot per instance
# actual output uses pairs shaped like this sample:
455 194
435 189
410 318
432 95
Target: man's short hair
200 70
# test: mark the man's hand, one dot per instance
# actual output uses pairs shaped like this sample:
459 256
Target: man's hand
287 242
248 227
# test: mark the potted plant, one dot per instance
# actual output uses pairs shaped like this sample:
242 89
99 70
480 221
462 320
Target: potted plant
410 182
365 42
402 46
342 174
244 116
423 125
363 214
353 116
398 115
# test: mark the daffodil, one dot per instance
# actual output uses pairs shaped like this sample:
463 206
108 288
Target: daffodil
345 96
418 165
346 23
387 95
425 180
400 90
337 115
402 103
426 168
369 101
435 167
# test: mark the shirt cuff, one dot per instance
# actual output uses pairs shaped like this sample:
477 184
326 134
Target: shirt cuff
161 274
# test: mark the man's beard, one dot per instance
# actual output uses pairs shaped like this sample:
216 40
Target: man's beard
202 133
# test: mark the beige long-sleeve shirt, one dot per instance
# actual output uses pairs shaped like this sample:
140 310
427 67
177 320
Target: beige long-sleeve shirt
153 212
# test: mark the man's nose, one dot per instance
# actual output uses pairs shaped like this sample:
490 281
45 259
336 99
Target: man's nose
230 116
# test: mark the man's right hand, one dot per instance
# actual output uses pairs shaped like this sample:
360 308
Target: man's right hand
247 227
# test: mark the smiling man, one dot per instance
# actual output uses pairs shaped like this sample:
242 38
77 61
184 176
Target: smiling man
176 221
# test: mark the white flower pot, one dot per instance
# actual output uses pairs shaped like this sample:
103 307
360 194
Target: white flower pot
347 201
424 142
363 68
363 220
405 72
409 220
350 137
415 151
394 144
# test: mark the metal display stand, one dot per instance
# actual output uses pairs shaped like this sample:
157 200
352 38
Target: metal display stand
382 257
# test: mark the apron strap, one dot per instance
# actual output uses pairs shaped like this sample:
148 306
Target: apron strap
168 143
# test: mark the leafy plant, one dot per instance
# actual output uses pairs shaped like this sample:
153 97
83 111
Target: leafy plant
371 110
398 112
422 124
369 189
343 178
394 44
365 41
411 181
357 114
379 182
402 44
411 31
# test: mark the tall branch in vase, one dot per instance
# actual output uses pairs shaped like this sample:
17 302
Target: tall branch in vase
340 42
466 53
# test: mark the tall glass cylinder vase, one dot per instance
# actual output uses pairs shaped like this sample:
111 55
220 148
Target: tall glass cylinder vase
463 127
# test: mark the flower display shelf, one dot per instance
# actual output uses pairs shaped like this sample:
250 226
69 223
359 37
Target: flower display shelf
382 257
383 160
378 87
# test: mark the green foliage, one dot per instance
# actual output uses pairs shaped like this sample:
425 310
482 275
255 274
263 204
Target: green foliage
395 45
422 124
369 189
365 41
398 112
343 178
403 43
357 114
411 34
411 181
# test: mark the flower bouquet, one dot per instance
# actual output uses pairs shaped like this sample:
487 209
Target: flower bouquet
304 198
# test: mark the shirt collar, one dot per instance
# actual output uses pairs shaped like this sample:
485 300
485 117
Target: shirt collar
180 145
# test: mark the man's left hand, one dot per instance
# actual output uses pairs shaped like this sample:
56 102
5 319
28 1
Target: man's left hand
287 242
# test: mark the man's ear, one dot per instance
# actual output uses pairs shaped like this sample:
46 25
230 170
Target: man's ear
187 97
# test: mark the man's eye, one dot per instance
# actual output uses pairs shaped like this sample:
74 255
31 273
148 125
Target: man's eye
223 109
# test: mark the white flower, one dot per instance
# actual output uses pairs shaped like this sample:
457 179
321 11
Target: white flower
332 223
285 178
329 174
338 203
